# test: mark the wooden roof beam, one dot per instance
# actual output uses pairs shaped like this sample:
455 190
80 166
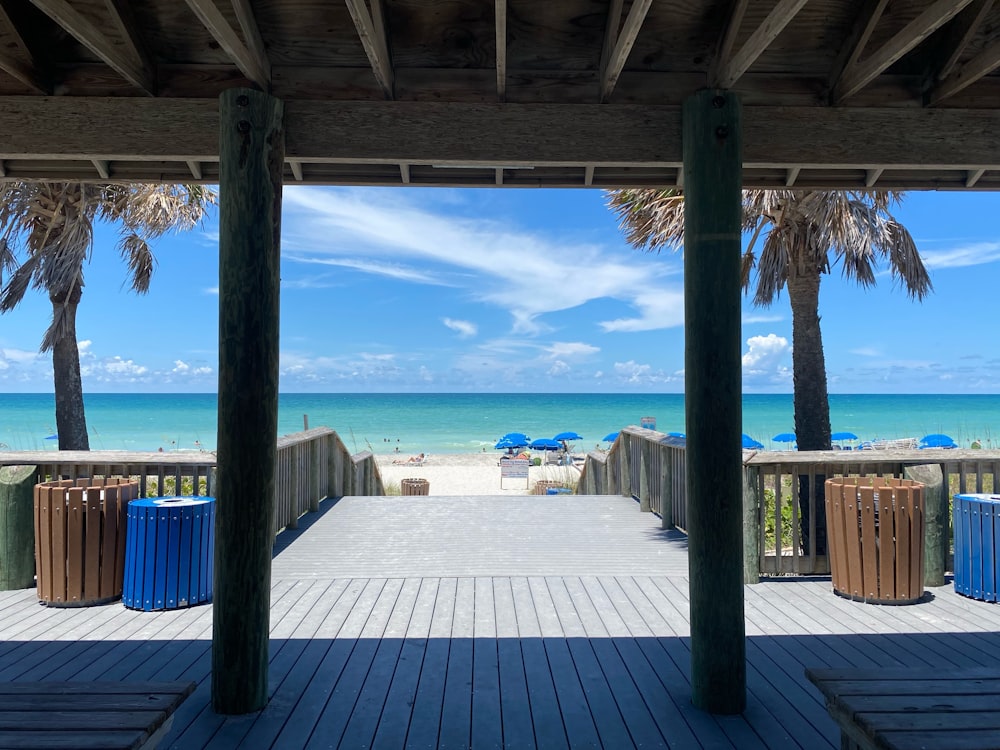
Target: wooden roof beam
103 167
859 75
251 33
985 62
617 46
855 44
500 10
956 38
132 69
121 15
253 66
728 70
22 66
371 30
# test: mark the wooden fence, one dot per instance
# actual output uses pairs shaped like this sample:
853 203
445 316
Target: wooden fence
310 466
649 466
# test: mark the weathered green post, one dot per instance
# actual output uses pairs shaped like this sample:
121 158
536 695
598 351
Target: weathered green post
17 527
251 156
712 219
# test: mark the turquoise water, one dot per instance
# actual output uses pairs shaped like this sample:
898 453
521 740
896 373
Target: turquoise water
462 422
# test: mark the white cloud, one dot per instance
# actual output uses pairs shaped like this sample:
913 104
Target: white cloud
524 273
975 254
764 353
571 349
866 351
558 368
762 318
463 328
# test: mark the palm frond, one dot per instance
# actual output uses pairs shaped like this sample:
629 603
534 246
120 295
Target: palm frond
20 280
651 219
60 328
139 257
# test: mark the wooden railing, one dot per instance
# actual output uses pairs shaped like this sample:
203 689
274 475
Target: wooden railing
772 529
649 466
646 465
310 466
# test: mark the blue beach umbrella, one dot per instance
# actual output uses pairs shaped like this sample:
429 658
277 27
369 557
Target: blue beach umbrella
937 440
784 437
516 437
567 436
750 444
52 437
507 444
843 436
544 444
610 437
676 434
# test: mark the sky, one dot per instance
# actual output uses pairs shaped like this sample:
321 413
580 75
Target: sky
477 290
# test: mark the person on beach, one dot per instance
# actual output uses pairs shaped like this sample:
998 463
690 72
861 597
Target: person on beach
419 459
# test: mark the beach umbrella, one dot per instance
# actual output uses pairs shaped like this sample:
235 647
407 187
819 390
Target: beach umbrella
544 444
519 437
567 436
610 437
507 444
52 437
843 436
784 437
750 444
937 440
676 434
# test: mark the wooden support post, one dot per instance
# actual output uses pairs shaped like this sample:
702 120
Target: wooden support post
751 524
17 527
251 154
645 449
937 518
712 249
667 483
314 474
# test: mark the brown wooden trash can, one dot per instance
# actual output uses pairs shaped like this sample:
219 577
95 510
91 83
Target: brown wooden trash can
80 540
875 538
415 486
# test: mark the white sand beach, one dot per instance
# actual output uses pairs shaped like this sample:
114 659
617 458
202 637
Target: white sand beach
468 474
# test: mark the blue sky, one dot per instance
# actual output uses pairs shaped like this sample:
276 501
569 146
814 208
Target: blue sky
440 290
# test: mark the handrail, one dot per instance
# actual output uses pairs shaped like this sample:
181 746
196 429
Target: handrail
309 467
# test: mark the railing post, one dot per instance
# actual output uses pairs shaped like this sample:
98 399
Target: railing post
644 463
937 540
752 502
314 473
666 487
624 472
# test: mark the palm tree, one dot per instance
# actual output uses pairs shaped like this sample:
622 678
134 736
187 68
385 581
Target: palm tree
806 232
51 226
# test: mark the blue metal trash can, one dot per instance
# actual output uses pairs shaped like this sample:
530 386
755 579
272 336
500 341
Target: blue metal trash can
169 547
976 519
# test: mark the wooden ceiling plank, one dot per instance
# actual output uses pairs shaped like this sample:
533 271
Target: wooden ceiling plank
498 176
195 167
982 64
251 33
872 176
500 12
611 31
296 166
612 67
373 40
404 173
103 168
958 35
861 74
791 175
588 175
728 71
217 25
91 37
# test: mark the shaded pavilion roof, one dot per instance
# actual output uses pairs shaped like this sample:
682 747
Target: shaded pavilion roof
836 93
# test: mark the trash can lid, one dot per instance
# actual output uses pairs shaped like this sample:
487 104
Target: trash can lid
982 497
172 502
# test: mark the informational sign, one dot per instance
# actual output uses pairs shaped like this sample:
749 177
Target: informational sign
648 423
514 468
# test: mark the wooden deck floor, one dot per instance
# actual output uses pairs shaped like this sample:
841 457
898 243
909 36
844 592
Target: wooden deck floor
375 647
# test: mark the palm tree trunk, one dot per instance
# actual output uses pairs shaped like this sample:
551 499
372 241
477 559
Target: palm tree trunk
811 401
71 422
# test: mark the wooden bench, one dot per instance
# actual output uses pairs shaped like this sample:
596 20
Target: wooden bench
904 709
88 715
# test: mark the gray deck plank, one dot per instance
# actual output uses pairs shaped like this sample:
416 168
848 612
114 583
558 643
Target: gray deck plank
519 639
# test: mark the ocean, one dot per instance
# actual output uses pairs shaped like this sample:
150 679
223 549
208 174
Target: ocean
464 422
